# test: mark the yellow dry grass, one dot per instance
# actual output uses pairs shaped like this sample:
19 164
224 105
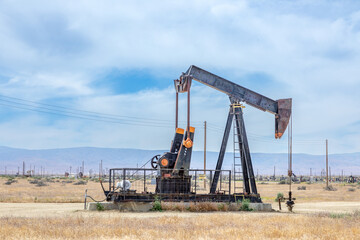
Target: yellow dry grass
60 192
183 226
57 192
40 219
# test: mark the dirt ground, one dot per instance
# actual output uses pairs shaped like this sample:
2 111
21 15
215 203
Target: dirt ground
31 210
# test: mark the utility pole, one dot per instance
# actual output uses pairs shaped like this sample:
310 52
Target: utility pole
204 154
23 168
342 175
70 172
274 173
327 165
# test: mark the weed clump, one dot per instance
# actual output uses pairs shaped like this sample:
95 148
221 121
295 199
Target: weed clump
330 188
99 207
245 205
302 188
41 184
157 205
279 196
81 182
10 181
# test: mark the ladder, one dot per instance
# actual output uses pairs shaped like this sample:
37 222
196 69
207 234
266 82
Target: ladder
237 171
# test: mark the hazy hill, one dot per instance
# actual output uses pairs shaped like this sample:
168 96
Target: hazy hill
59 160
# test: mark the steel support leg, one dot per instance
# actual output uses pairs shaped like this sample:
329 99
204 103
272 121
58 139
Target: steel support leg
250 170
222 152
242 154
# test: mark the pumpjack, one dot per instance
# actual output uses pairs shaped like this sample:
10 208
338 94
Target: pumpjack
174 180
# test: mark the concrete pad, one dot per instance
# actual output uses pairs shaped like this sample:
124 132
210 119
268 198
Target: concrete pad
261 207
124 206
92 206
145 207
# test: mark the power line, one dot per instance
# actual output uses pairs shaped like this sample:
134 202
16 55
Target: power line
78 111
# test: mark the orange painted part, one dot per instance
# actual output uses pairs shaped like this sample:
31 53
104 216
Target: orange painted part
164 162
278 135
167 175
188 143
180 130
192 129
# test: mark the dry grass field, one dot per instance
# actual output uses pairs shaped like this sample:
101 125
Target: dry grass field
170 225
61 192
56 212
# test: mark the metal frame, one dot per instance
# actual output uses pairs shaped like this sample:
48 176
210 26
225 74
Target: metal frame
141 193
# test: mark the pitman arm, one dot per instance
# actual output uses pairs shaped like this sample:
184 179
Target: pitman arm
280 108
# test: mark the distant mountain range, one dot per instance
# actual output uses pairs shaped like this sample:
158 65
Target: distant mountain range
59 160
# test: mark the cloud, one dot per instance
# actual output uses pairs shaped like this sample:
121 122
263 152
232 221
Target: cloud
304 50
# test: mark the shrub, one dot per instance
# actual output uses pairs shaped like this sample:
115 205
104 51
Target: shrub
41 184
351 189
302 188
279 196
221 207
157 205
49 180
330 188
81 182
282 182
245 205
34 181
10 181
99 207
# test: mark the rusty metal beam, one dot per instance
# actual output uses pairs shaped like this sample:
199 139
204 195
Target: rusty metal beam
280 108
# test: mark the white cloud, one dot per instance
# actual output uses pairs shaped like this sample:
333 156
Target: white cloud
310 50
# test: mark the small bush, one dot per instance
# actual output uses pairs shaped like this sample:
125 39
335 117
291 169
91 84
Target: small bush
157 205
221 207
351 189
81 182
330 188
67 181
282 182
34 181
99 207
41 184
10 181
302 188
279 196
49 180
245 205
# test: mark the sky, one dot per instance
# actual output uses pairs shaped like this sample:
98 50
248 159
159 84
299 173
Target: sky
105 69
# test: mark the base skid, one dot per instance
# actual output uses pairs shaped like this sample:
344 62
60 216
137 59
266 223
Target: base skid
150 197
